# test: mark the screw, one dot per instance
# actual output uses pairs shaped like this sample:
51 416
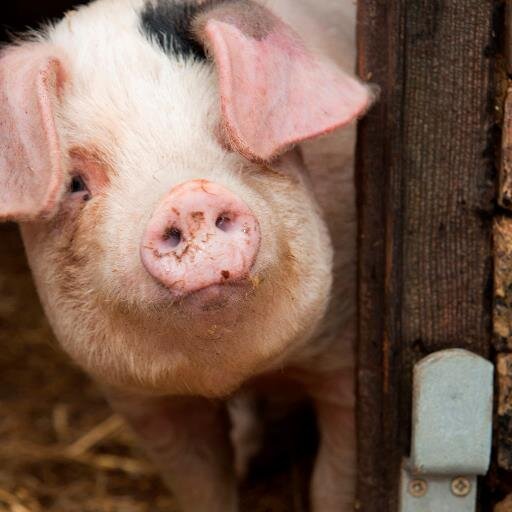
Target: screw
460 486
418 488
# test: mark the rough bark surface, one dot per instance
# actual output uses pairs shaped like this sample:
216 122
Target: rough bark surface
505 175
502 314
504 410
425 175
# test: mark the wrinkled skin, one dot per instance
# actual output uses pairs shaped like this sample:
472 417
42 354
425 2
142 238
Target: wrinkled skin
172 366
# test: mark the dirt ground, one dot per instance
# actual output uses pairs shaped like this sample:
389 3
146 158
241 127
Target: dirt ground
62 449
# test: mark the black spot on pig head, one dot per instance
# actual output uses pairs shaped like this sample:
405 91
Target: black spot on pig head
168 22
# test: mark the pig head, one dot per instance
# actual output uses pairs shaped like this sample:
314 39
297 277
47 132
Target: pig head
168 220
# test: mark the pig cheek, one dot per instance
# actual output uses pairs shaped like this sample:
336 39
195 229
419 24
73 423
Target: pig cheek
101 260
59 260
49 243
123 280
72 247
306 250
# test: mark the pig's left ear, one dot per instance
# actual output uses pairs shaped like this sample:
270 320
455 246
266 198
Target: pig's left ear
31 162
274 92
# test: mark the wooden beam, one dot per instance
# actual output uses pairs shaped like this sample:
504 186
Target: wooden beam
426 189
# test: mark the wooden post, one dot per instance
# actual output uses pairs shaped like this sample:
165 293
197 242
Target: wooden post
426 199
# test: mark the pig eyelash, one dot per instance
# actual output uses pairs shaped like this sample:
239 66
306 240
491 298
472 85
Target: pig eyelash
78 186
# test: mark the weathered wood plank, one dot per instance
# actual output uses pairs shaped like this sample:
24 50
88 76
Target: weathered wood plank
425 174
377 416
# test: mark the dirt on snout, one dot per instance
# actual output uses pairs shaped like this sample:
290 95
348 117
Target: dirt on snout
63 450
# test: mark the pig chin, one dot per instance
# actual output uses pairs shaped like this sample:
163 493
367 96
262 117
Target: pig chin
216 297
211 299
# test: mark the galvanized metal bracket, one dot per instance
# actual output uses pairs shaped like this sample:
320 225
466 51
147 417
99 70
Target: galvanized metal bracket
451 432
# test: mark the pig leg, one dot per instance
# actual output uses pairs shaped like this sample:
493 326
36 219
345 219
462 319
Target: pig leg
187 438
246 431
333 482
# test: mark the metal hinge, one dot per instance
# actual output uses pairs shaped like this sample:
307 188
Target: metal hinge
451 433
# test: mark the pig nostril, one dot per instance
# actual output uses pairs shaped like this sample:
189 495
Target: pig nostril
224 222
173 236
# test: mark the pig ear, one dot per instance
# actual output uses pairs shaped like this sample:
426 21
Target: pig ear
274 92
31 167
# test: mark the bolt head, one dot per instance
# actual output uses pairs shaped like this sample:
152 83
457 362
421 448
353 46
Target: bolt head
418 487
460 486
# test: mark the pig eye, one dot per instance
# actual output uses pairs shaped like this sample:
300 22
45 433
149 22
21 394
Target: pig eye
78 186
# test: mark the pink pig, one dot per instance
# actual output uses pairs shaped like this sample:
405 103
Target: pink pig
182 250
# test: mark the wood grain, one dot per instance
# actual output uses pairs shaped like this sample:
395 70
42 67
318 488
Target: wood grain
426 189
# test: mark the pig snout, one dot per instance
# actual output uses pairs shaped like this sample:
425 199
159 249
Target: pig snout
200 235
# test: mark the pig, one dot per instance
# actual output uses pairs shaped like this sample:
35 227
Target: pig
191 240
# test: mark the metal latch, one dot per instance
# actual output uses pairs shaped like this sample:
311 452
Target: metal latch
451 432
